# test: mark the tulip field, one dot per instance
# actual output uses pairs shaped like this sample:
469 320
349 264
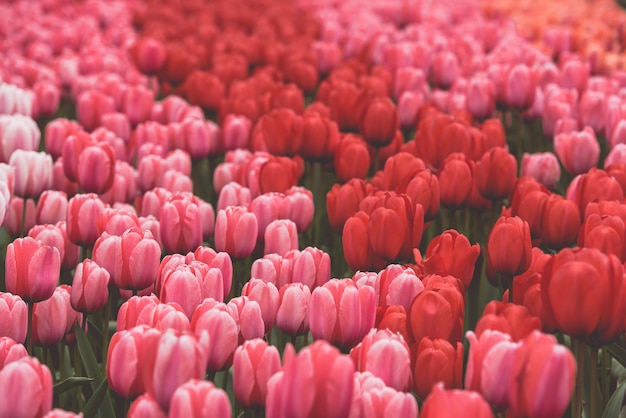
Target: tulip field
312 208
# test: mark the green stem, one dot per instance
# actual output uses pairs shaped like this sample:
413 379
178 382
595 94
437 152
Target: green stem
225 380
29 335
579 352
606 376
593 374
105 333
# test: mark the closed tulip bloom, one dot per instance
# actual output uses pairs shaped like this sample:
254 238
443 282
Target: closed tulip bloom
341 313
14 310
378 121
149 55
233 194
424 189
342 201
316 382
132 259
436 360
247 314
282 131
236 231
396 285
509 246
577 151
443 403
116 221
539 363
281 236
456 176
267 296
82 212
96 159
387 356
594 185
145 406
126 360
215 318
131 312
50 319
292 315
90 106
451 254
32 269
17 132
90 287
51 207
254 363
33 172
481 96
565 294
49 235
236 131
520 87
445 69
18 219
387 402
512 319
542 166
606 233
352 159
219 260
298 207
25 373
560 222
199 399
181 225
10 351
496 173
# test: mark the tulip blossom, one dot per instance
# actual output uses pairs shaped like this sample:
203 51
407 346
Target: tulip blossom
25 373
443 403
255 362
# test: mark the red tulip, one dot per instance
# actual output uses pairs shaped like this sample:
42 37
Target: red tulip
509 246
352 158
560 222
443 403
605 233
342 202
456 178
594 185
436 360
514 320
378 121
148 55
496 173
203 89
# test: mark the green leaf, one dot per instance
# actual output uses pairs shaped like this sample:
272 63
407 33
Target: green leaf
93 371
70 383
618 352
96 402
615 402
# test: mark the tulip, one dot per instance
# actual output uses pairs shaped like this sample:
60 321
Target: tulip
51 235
254 363
443 403
126 359
90 106
181 224
320 136
455 175
149 55
277 174
514 320
199 399
51 207
396 285
120 256
90 287
481 96
233 194
496 173
387 356
352 160
10 351
342 202
231 225
378 121
219 260
236 131
594 185
82 212
215 318
281 236
436 360
578 151
32 269
33 172
25 373
14 310
509 246
605 233
17 132
298 207
50 318
292 315
560 222
133 311
341 313
387 402
544 167
267 296
145 406
539 363
565 295
317 382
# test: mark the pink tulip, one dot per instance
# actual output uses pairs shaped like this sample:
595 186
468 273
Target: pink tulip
14 221
236 131
317 382
32 269
266 295
136 103
442 403
397 286
342 313
131 313
132 259
266 209
235 231
181 224
17 132
215 318
118 124
13 309
219 260
90 287
90 106
51 235
281 236
126 360
10 351
145 407
310 266
387 356
56 133
60 413
33 172
254 363
95 170
199 399
233 194
543 167
387 403
50 318
51 207
115 221
149 55
82 212
247 314
578 151
17 402
298 207
292 316
273 268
